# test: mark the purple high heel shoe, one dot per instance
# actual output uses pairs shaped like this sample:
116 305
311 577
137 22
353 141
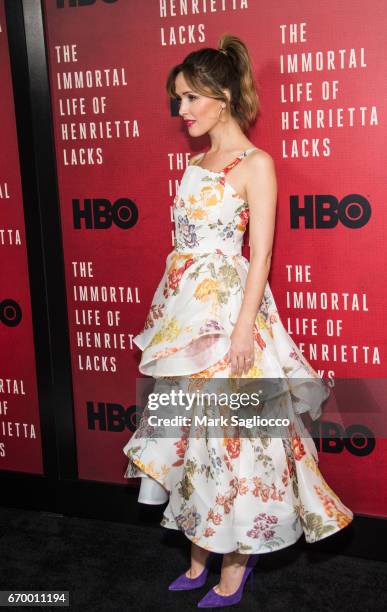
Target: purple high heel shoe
184 583
213 600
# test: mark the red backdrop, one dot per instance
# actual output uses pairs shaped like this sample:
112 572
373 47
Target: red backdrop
320 70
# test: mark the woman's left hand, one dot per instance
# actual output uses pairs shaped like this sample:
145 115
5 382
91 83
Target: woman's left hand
241 352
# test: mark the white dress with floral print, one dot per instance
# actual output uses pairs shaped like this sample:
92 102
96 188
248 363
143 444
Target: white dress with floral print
227 493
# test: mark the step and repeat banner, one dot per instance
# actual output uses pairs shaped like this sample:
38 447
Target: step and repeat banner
121 150
20 439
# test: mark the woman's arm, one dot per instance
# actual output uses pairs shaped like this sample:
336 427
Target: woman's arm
261 190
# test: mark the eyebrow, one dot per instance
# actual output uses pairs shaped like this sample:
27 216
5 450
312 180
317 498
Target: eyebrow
185 92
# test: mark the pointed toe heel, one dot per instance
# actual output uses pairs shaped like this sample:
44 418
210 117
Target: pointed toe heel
184 583
213 600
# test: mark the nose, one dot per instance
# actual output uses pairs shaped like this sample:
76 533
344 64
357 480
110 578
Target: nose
182 110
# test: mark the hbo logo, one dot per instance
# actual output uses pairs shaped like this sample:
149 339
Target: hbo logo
110 416
99 213
331 437
326 211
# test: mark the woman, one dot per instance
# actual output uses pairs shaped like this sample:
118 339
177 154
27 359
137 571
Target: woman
213 317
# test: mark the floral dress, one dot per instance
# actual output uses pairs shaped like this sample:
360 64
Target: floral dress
246 493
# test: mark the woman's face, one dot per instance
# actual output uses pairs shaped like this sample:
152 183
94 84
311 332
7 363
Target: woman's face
199 112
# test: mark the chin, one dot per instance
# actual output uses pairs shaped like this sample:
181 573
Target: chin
197 133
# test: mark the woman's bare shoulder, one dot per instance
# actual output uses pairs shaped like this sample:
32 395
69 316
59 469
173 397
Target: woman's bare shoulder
260 156
259 163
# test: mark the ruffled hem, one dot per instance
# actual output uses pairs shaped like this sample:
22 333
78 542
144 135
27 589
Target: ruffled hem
168 521
201 351
316 521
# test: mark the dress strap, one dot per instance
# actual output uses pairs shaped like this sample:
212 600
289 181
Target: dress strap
237 160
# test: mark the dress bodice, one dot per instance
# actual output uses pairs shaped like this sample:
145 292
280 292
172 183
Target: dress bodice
209 215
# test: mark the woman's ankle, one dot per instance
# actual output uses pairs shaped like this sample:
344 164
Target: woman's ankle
199 555
231 575
198 550
234 559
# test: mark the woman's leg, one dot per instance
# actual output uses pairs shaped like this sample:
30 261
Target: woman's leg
198 560
232 570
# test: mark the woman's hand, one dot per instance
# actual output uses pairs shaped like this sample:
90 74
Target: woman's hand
241 352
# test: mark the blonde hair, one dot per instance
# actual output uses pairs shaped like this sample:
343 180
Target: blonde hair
210 70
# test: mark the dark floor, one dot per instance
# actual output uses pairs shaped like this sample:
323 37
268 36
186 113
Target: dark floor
113 566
